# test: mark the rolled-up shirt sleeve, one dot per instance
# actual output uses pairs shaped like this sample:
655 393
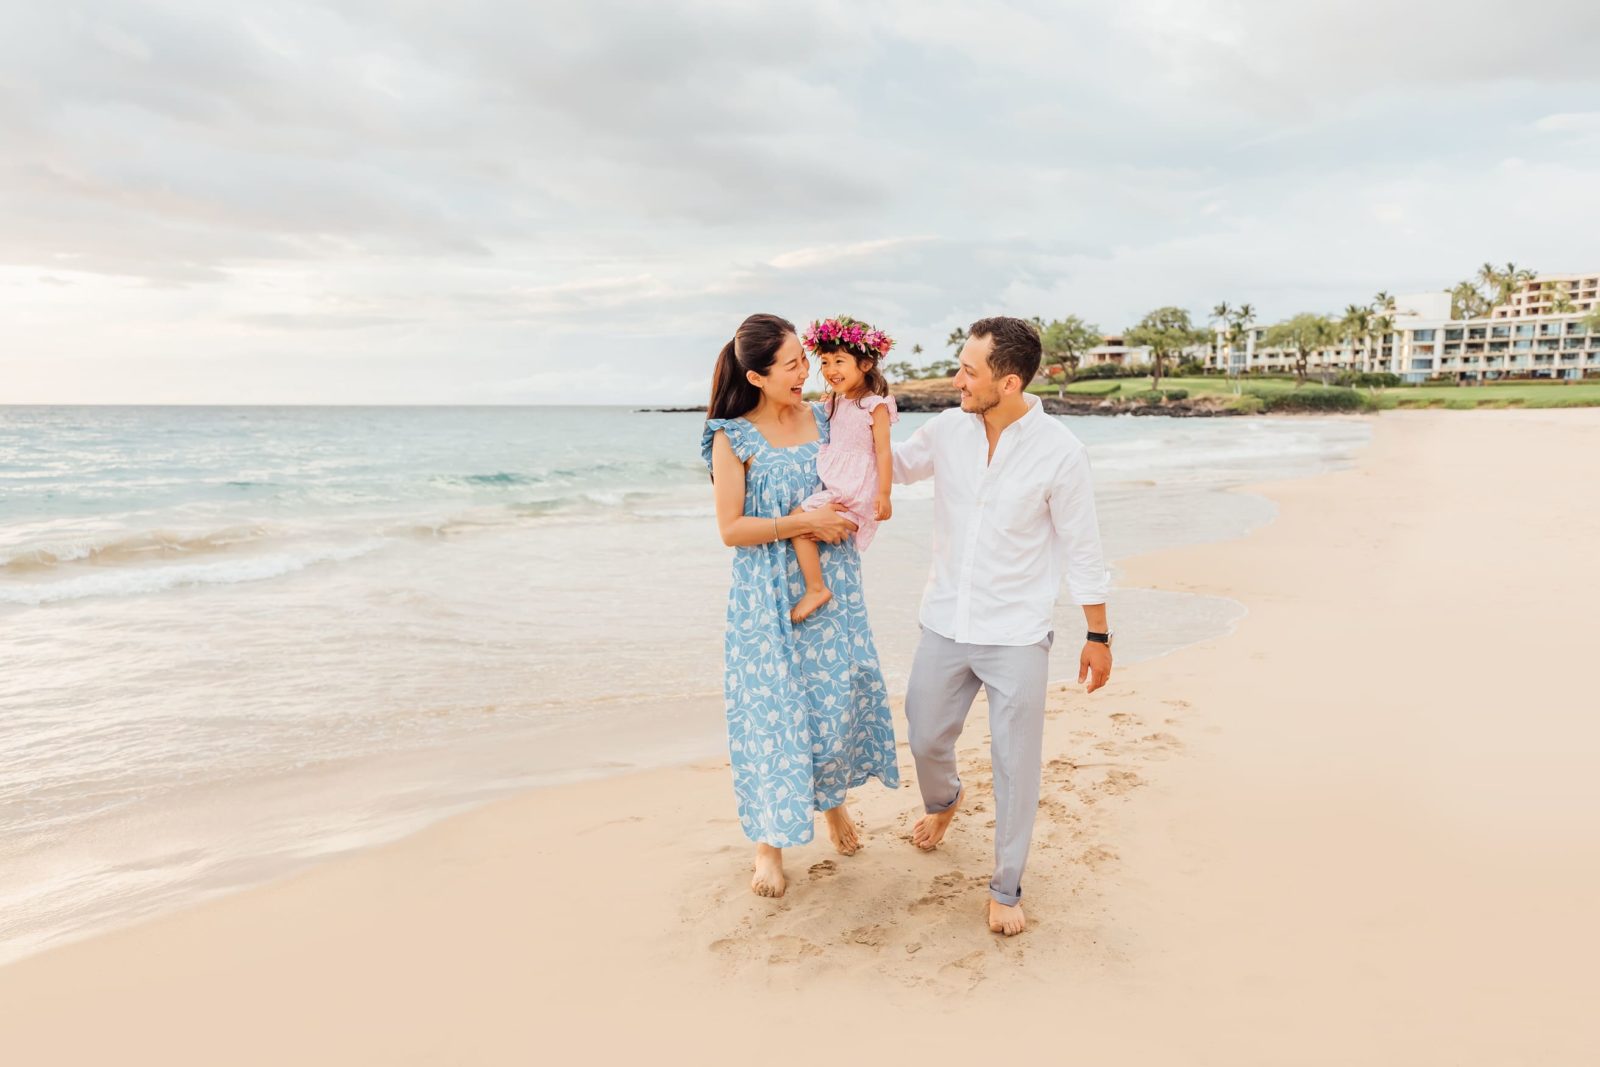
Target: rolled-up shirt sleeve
1077 531
913 459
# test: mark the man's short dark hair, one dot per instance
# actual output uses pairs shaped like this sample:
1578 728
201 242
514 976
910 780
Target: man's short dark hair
1016 346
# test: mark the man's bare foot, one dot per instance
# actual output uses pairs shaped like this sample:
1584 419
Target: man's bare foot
930 829
1006 920
842 830
768 880
807 605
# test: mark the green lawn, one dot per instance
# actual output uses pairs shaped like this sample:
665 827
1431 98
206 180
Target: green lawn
1490 394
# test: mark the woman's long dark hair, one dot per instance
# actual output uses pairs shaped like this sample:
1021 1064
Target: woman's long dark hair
754 346
872 380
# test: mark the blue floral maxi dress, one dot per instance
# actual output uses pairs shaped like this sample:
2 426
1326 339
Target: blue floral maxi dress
808 713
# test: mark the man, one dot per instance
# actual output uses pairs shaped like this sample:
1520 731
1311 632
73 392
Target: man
1013 508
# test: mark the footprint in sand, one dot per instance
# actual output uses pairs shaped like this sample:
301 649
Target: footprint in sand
943 889
788 949
1058 775
1159 746
1097 856
1119 782
824 869
871 936
968 970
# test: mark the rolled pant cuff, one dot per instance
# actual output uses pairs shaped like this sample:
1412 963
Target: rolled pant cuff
934 809
1010 900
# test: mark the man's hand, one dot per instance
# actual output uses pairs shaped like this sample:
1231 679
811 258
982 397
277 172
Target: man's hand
1094 663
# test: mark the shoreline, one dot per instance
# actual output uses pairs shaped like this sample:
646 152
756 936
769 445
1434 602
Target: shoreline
205 838
1414 892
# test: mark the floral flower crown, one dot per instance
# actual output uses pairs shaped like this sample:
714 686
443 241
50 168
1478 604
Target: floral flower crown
844 334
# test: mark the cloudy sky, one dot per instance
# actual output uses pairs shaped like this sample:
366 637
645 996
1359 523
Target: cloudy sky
520 201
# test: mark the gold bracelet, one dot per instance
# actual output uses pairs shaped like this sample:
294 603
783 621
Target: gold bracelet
776 536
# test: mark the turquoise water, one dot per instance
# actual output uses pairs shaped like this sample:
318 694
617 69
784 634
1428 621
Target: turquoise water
238 639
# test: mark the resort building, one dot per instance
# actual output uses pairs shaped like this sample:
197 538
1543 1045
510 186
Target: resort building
1524 338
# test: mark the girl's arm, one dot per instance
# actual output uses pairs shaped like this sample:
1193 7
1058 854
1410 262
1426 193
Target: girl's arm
885 457
738 529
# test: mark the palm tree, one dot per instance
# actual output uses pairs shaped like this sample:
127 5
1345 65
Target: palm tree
1381 326
1466 301
1239 327
1356 326
1488 280
1221 315
1561 301
1508 281
957 338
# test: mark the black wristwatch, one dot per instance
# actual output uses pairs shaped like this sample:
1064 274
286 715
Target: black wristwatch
1104 639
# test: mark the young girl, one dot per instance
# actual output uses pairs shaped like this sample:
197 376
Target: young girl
855 465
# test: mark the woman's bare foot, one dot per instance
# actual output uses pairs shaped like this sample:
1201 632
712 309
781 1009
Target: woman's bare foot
930 829
1007 920
842 829
808 604
768 880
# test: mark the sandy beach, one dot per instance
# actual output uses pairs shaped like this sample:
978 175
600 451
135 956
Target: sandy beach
1361 828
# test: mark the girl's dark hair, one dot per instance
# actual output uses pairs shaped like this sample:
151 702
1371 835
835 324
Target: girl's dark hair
873 380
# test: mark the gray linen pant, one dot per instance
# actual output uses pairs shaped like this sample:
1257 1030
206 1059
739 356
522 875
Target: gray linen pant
945 676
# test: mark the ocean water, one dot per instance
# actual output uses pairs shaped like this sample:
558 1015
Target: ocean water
235 640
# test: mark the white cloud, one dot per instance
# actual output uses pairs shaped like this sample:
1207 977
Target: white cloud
364 200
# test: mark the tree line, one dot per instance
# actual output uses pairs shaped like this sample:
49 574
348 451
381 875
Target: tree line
1169 332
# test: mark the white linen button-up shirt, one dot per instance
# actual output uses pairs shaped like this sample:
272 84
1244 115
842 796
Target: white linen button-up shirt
1005 529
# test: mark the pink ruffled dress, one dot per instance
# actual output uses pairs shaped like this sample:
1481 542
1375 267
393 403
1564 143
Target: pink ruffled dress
848 465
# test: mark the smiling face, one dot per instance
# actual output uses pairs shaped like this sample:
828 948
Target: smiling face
785 380
843 372
980 389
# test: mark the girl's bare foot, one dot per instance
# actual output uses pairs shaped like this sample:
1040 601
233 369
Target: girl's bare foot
768 880
930 829
842 830
808 604
1007 920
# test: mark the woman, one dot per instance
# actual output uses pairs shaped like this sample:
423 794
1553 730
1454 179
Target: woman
808 713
